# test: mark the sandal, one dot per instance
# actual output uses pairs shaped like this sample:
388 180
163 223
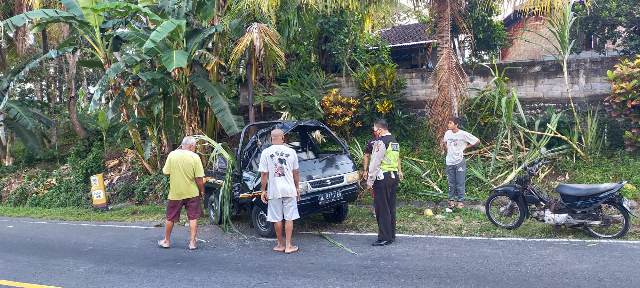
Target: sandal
294 249
192 247
163 244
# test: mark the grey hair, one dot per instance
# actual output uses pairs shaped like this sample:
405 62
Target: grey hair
188 141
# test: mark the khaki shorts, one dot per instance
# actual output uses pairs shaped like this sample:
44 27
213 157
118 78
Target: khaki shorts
282 208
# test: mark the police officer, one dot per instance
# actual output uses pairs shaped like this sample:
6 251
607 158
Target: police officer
385 172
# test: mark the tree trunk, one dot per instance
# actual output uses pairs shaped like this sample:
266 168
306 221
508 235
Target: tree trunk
250 79
41 87
3 57
59 84
3 139
72 60
20 36
450 79
443 36
45 41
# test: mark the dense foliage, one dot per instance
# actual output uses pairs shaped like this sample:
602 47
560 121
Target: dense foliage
489 34
624 102
380 92
610 22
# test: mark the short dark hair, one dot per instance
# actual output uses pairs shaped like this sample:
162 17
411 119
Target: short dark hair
455 120
381 123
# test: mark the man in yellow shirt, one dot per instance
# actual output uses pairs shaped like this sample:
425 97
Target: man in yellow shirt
186 187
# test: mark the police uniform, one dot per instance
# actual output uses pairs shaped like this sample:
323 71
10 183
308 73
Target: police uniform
383 176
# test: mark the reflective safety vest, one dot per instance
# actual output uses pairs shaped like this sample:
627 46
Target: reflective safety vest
391 156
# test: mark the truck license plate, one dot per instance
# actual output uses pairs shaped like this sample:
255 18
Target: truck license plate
329 197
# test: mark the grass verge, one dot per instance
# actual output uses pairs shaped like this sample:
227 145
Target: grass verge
146 213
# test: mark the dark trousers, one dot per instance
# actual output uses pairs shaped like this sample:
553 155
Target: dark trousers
456 176
384 200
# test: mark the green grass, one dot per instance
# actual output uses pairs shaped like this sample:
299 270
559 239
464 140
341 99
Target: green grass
146 213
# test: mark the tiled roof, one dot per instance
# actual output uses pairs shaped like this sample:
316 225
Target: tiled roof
405 34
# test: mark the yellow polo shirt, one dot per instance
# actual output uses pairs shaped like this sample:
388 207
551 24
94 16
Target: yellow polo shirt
183 167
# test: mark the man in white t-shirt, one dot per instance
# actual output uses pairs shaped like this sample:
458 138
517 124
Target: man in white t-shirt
456 142
280 188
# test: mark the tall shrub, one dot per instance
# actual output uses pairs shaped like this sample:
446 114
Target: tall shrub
380 91
624 102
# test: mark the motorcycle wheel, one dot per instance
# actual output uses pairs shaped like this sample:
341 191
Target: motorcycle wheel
614 220
504 212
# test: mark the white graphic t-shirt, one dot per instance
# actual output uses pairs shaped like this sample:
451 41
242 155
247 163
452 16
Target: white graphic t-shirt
279 161
456 143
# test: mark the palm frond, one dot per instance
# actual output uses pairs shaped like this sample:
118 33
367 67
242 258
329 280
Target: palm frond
264 41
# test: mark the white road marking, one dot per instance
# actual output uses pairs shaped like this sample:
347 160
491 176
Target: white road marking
485 238
362 234
80 224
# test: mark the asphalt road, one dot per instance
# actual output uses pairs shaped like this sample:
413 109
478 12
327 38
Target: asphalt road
80 255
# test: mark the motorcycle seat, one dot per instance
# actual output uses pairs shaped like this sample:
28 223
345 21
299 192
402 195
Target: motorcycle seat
585 189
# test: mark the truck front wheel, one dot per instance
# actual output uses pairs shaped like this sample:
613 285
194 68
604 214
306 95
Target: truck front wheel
214 208
338 214
260 223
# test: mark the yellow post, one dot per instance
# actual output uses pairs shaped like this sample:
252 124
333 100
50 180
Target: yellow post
98 194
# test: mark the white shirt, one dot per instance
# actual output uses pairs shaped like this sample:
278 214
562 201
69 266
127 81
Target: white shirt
279 161
456 143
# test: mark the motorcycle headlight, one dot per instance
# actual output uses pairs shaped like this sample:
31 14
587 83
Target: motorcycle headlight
353 177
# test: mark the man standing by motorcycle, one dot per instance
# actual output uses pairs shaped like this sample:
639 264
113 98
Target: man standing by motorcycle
385 172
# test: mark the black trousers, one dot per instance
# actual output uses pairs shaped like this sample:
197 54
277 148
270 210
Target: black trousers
384 200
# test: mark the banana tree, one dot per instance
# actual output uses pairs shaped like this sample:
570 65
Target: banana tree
171 49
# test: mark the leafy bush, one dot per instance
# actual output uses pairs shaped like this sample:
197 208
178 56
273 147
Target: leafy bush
300 96
30 185
380 92
151 188
67 187
340 112
624 102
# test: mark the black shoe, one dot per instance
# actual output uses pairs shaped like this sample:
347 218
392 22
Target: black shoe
381 243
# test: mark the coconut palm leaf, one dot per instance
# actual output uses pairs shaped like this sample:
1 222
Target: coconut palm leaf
263 40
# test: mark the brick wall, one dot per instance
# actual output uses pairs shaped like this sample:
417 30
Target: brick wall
534 30
537 82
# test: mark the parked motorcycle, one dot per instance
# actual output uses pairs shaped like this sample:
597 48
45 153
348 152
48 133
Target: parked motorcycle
599 209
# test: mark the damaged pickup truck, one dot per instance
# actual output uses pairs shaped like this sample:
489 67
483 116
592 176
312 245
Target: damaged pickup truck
328 175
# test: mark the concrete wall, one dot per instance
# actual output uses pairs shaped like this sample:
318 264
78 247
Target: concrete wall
537 82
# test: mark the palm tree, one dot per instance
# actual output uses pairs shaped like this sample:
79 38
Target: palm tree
261 45
450 80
